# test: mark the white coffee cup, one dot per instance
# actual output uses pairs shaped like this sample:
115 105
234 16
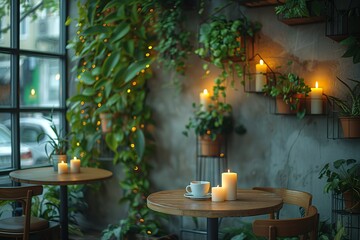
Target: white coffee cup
198 188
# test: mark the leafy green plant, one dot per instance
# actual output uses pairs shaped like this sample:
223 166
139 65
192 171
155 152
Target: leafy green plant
300 8
341 175
350 105
215 120
287 86
353 48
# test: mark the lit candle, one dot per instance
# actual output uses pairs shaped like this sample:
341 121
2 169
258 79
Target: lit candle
260 77
218 194
75 165
204 99
316 99
62 167
229 182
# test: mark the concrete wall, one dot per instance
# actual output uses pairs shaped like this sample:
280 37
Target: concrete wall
277 150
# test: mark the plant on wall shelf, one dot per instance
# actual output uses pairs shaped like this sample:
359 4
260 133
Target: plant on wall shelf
353 48
290 89
300 8
349 109
225 43
343 177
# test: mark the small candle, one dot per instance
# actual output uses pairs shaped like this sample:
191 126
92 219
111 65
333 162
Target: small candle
204 99
260 77
75 165
229 182
62 167
218 194
316 99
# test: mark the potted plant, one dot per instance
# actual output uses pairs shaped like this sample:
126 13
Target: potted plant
293 12
349 109
55 147
213 123
343 177
288 89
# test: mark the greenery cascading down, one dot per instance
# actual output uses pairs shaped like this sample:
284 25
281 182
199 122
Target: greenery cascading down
113 51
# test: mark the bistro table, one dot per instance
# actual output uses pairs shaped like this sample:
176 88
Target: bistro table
248 203
47 176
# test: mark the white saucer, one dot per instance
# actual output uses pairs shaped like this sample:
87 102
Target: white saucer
189 195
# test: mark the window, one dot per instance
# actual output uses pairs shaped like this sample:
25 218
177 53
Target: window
32 79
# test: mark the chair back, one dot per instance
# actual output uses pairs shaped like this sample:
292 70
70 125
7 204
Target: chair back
24 195
293 197
305 227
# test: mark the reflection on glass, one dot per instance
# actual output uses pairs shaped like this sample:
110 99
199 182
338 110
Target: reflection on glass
40 27
4 23
5 80
5 143
40 82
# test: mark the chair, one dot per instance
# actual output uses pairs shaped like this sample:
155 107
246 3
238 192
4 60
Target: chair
305 227
292 197
21 227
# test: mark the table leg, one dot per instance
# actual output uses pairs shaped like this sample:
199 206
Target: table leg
212 229
64 213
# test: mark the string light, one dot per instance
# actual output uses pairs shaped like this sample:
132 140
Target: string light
129 90
132 145
99 104
148 232
136 168
147 54
98 123
133 129
84 123
77 144
150 47
134 83
208 132
82 103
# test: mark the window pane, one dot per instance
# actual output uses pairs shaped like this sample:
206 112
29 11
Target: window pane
4 23
40 82
5 143
34 127
5 83
40 27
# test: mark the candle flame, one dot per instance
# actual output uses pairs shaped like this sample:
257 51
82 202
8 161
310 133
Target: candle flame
206 91
218 185
74 158
316 84
228 170
261 62
62 161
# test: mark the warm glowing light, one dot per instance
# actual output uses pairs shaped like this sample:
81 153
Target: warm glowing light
129 90
147 54
57 76
99 104
82 102
134 83
147 66
136 168
316 84
261 62
150 47
32 92
98 123
132 145
133 129
84 123
77 144
208 132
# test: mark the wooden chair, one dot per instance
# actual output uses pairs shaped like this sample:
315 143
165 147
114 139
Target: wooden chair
305 227
292 197
21 227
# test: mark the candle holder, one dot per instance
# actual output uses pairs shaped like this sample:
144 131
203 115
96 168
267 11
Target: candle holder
257 73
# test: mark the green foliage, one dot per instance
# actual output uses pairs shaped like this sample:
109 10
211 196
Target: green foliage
287 86
47 206
342 175
293 9
353 48
350 105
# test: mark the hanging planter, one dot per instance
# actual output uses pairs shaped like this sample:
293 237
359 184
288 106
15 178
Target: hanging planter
350 127
351 201
210 147
106 122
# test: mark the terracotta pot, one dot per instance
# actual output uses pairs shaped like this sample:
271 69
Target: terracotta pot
106 119
350 126
283 108
208 147
58 159
351 201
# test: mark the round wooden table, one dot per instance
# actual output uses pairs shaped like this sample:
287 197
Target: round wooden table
248 203
47 176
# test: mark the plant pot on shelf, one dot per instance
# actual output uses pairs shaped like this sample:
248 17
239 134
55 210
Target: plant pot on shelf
350 127
284 108
106 122
56 159
351 201
209 147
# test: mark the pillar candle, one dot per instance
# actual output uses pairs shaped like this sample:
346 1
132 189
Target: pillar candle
62 167
316 100
229 182
204 99
217 194
260 77
75 165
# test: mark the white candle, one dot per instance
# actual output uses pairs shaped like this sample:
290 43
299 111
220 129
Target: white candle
217 194
204 99
75 165
229 182
260 77
316 99
62 167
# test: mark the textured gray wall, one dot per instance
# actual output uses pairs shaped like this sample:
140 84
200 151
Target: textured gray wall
278 151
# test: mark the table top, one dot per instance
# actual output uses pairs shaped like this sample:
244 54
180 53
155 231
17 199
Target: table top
248 203
48 176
